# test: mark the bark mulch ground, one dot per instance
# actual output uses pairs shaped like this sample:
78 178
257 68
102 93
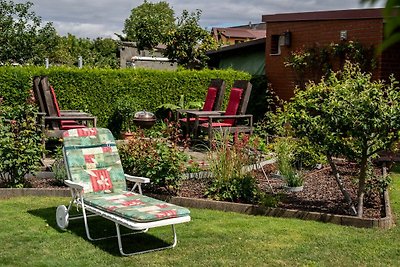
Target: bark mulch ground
321 192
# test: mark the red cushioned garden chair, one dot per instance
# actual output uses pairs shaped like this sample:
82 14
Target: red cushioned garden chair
234 119
213 101
98 187
57 120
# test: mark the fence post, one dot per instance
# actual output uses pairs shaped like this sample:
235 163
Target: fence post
80 62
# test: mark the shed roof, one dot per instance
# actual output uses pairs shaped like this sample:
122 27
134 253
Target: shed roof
241 33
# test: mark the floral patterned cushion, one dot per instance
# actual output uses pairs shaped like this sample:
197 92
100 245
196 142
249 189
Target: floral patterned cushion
135 207
93 161
87 137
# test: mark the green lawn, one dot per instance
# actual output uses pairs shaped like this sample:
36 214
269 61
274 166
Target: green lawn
29 237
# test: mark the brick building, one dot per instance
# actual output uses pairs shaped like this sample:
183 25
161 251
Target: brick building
293 31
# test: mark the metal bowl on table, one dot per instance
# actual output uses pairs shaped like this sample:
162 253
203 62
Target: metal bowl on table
144 119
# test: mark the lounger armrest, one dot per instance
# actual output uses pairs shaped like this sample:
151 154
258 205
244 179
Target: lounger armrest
138 182
137 179
73 185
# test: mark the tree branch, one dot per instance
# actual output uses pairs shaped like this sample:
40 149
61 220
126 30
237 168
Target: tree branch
341 186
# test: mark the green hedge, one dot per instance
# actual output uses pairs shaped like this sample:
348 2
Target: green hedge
98 90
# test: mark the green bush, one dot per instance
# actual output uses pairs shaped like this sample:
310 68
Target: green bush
308 155
285 151
123 115
21 145
58 166
160 161
230 179
237 189
97 90
262 98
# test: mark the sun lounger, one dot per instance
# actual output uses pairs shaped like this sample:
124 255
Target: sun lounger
98 186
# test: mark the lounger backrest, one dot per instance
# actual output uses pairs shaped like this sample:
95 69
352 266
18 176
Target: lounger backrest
210 99
233 104
93 161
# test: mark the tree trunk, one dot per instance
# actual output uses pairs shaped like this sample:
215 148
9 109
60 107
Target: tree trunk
340 184
361 185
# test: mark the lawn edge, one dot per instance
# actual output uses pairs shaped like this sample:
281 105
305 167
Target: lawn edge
386 222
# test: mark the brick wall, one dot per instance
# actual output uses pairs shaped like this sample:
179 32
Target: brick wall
391 62
321 33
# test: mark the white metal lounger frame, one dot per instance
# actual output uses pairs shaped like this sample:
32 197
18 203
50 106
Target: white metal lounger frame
62 215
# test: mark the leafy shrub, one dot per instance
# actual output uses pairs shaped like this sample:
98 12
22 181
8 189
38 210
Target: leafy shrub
230 180
262 97
163 163
307 155
21 146
285 151
169 110
268 200
258 143
58 166
122 117
237 189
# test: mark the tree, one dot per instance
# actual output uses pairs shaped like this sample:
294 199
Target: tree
95 53
105 52
149 23
391 16
188 43
348 114
22 37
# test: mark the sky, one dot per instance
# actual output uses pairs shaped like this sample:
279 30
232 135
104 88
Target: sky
103 18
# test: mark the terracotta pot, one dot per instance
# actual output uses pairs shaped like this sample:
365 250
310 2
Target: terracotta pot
126 135
144 123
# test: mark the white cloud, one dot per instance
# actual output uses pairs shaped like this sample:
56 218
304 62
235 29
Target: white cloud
89 30
101 18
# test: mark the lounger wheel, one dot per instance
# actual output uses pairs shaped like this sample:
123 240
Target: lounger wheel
62 217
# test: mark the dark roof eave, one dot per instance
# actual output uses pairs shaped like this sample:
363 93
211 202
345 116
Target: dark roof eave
371 13
237 46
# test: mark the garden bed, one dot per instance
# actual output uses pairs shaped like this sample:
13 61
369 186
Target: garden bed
320 194
320 200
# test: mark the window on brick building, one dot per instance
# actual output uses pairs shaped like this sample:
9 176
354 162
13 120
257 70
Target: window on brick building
275 47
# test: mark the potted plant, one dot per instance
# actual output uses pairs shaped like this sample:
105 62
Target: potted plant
294 180
284 148
123 117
